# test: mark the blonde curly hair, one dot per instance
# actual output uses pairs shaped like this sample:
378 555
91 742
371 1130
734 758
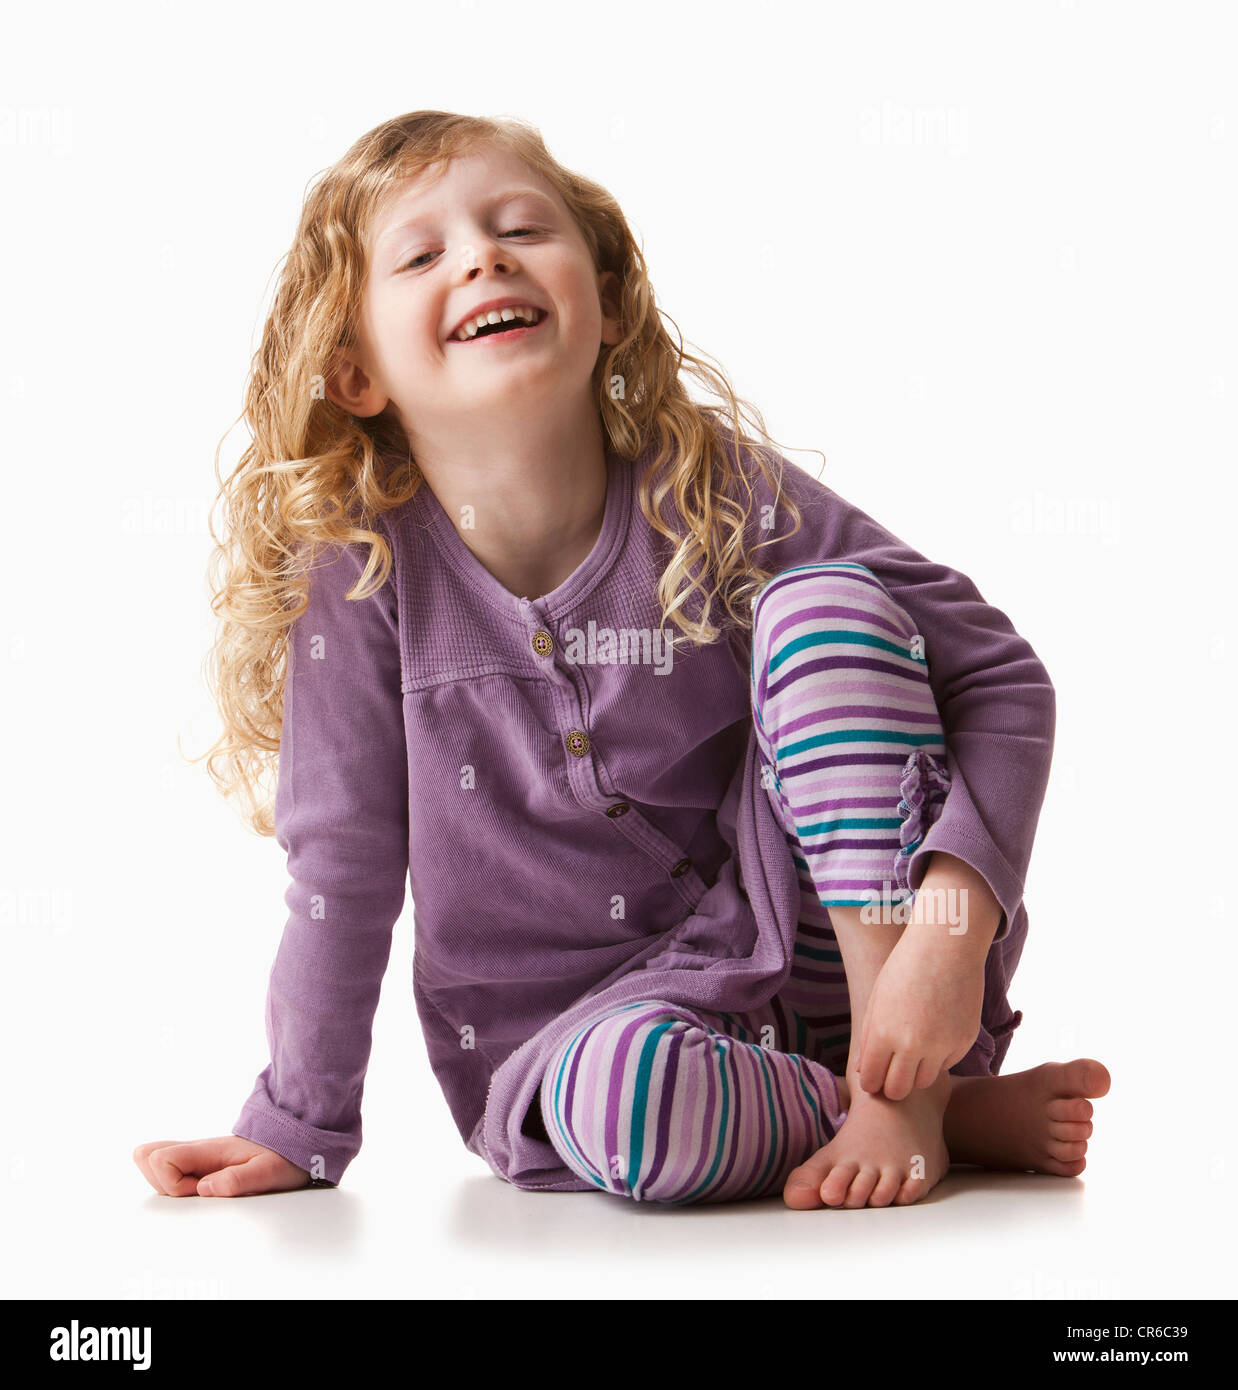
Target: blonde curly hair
314 475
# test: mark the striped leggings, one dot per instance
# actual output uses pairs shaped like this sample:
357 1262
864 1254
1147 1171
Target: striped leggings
661 1103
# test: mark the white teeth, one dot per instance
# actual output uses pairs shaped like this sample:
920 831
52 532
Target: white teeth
522 311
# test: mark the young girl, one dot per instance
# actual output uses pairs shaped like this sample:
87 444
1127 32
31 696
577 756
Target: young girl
702 912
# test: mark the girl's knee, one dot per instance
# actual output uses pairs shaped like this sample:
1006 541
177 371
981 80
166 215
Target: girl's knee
837 594
610 1090
817 629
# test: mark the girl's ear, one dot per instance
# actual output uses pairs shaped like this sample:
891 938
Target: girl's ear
609 291
347 384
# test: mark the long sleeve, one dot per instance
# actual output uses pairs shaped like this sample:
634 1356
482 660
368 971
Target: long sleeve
994 697
341 814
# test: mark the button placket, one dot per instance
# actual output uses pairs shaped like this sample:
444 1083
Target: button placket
576 740
582 770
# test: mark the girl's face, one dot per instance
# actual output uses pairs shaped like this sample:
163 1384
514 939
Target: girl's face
442 246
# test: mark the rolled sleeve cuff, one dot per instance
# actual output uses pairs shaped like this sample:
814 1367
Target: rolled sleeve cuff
983 856
323 1154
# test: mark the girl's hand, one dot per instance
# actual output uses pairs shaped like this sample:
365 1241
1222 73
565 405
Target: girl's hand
232 1166
923 1013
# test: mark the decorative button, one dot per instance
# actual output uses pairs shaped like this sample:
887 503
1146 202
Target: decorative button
543 642
620 808
681 868
578 743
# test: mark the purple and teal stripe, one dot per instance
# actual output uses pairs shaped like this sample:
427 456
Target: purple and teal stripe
660 1104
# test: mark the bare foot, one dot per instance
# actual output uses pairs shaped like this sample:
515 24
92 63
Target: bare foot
886 1151
1040 1119
1037 1120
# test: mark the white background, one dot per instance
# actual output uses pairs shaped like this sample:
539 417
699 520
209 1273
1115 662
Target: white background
981 255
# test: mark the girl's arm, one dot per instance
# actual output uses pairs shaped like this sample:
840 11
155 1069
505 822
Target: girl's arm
341 813
994 697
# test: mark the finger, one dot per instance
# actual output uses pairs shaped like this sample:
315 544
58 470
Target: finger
873 1067
178 1167
171 1166
873 1076
265 1172
901 1075
141 1156
926 1073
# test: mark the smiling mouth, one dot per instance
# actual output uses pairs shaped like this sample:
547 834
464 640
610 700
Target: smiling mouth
506 328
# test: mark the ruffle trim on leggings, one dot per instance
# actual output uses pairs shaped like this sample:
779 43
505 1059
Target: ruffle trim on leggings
924 787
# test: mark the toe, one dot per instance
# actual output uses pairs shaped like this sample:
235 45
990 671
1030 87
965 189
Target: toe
1074 1108
801 1191
1066 1151
1066 1129
801 1196
887 1188
1064 1170
1085 1077
834 1188
910 1191
863 1184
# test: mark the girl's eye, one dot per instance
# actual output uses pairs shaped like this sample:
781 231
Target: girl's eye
516 231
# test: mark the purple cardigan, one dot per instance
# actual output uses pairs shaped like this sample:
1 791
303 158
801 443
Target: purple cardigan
574 833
